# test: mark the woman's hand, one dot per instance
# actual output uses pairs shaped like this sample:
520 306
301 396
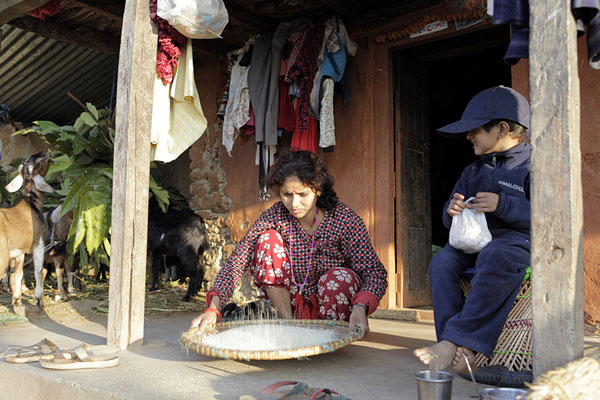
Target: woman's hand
203 320
207 317
358 318
456 205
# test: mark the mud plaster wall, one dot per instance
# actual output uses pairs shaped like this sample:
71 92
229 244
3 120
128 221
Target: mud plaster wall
589 82
224 189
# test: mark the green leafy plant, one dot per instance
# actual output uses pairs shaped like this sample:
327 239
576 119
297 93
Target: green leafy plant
82 176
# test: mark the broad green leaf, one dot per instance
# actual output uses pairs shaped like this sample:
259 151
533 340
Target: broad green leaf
93 110
72 199
97 226
106 243
88 119
46 125
78 124
79 224
25 131
83 257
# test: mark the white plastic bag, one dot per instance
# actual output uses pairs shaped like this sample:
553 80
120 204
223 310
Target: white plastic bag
469 231
196 19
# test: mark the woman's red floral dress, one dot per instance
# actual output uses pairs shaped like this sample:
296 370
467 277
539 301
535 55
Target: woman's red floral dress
344 268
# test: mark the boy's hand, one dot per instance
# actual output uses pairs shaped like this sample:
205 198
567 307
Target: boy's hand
484 202
456 205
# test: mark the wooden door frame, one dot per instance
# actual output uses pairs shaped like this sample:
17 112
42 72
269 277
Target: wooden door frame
382 84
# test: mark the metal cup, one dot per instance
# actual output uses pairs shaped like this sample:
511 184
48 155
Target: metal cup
434 388
502 394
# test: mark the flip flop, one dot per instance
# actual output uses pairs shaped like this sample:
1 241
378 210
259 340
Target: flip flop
82 356
499 375
31 353
299 390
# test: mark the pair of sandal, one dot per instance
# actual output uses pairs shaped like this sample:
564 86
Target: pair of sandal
298 391
49 355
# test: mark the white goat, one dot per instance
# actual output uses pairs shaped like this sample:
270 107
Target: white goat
22 226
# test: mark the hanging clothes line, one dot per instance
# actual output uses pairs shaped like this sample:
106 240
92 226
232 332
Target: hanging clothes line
284 81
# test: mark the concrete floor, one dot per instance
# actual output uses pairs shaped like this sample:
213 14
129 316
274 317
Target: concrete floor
380 367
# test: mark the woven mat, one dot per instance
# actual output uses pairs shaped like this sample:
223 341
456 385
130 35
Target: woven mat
193 341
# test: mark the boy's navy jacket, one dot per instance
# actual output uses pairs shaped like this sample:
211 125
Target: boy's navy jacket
506 174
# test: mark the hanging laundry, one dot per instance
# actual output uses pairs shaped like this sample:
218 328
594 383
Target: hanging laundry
237 107
516 12
250 127
286 118
304 70
237 112
223 102
308 140
170 45
327 121
297 40
177 116
259 83
587 13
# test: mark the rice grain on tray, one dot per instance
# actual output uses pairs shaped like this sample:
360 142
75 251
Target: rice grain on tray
268 337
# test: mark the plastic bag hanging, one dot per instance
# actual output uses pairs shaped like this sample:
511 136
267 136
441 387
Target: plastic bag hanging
196 19
469 231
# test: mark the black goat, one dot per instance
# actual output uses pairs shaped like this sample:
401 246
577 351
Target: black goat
180 234
56 248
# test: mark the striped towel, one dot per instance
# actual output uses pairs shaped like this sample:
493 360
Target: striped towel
177 116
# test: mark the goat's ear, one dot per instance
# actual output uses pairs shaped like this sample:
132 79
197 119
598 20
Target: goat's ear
41 185
55 216
16 183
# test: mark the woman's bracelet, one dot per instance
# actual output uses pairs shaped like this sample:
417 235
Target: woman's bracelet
361 305
219 315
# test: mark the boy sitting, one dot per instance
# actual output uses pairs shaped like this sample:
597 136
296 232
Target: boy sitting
496 122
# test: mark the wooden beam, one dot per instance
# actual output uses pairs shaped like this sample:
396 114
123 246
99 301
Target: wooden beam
346 8
82 36
105 8
556 196
135 85
253 22
11 9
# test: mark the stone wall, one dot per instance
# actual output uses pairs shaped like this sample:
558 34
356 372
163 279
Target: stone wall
209 200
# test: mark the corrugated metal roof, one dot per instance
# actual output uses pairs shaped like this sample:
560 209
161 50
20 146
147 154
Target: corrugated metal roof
37 72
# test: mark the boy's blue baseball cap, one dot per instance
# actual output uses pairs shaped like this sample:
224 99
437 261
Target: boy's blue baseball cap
499 102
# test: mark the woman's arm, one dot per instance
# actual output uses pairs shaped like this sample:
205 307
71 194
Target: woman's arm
239 261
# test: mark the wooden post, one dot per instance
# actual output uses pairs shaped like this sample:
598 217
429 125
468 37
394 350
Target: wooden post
137 60
556 199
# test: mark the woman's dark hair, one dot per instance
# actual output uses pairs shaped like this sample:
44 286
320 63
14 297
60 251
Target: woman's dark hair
310 170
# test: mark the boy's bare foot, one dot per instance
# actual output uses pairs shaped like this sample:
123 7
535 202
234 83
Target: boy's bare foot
459 364
444 350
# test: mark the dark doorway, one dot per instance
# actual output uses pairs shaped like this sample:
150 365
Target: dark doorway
452 71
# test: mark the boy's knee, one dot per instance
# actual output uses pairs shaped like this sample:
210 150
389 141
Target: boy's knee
439 262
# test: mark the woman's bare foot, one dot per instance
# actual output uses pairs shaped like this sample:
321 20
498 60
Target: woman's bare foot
459 364
444 350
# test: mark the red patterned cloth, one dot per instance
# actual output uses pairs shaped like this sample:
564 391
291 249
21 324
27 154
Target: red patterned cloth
336 287
47 10
286 119
309 140
303 71
341 240
170 43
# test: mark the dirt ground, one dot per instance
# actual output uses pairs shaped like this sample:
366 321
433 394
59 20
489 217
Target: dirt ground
92 301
